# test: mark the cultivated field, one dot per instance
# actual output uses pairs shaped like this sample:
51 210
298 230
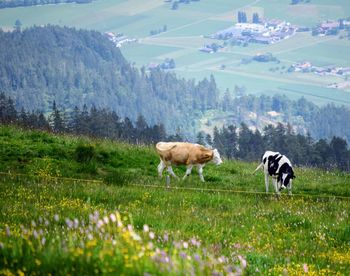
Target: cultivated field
184 35
123 219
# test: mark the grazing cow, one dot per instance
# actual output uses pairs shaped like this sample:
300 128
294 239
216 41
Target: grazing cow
180 153
279 168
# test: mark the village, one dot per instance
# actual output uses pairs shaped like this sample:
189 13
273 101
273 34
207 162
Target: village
306 67
262 31
269 31
265 32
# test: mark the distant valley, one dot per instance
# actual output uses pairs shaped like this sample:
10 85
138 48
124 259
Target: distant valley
301 57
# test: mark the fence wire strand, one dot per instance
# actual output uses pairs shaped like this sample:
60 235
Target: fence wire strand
169 187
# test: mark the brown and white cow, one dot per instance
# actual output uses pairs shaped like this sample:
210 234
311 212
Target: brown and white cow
181 153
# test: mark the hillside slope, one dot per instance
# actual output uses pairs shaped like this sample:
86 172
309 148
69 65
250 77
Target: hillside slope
73 67
43 154
47 219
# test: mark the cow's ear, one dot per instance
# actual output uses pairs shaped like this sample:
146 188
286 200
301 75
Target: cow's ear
205 155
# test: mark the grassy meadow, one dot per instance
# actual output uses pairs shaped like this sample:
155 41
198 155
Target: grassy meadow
98 207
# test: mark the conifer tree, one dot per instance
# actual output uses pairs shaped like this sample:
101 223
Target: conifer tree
56 119
200 138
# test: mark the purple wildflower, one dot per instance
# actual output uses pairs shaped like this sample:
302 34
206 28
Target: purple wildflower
99 223
69 223
166 237
183 255
197 257
113 218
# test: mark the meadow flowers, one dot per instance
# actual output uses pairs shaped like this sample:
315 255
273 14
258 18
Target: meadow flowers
104 245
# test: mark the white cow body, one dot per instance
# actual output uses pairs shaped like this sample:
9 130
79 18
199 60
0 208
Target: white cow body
280 169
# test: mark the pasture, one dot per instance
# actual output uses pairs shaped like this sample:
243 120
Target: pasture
307 14
99 207
184 36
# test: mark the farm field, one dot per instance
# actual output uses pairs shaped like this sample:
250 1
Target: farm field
185 33
257 77
99 207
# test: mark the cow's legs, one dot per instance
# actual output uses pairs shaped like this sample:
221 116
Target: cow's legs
161 167
290 187
267 182
200 172
171 172
275 184
188 171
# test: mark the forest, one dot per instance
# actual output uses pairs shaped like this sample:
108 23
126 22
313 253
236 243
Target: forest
73 67
77 68
240 142
233 142
321 122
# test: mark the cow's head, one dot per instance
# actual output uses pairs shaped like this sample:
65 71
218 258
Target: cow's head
216 157
285 177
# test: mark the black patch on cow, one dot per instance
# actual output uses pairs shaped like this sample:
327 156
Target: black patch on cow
264 160
278 159
285 169
273 163
275 156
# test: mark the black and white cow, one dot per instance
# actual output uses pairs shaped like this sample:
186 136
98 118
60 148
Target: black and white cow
279 168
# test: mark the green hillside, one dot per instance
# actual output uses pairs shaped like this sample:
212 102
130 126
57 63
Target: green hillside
40 65
40 153
59 195
186 31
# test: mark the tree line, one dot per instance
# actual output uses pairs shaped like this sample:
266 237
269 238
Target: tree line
246 144
322 122
92 122
231 141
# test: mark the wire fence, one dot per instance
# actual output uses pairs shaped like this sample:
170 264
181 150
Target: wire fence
180 188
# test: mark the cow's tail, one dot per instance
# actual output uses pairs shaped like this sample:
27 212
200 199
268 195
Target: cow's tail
260 165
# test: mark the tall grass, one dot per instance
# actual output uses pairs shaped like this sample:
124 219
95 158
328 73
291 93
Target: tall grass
47 220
